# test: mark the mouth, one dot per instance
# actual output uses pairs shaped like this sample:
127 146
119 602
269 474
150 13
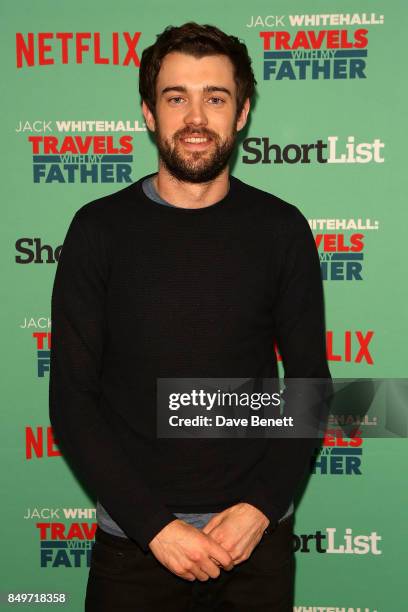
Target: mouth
196 143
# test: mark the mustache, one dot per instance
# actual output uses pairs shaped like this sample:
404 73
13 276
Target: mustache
183 133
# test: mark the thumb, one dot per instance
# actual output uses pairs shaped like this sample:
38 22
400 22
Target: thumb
212 523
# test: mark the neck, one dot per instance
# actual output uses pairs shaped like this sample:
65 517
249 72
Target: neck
192 195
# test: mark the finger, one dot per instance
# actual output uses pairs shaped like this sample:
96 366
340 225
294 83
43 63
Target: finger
218 536
199 573
187 576
242 555
239 559
216 551
180 571
216 562
213 522
210 567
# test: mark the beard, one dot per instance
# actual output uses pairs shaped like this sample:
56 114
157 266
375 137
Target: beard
195 166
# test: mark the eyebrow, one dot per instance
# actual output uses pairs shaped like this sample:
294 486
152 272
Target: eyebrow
207 89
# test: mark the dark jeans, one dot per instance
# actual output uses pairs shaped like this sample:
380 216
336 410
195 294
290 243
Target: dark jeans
124 578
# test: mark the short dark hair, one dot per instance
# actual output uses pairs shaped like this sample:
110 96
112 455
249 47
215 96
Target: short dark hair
196 40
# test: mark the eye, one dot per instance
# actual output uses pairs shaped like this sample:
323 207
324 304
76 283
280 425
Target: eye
216 101
176 100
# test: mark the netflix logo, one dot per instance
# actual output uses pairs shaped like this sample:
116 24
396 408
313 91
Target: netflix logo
349 346
47 48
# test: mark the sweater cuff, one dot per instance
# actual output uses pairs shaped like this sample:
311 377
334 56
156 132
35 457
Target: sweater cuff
151 528
260 497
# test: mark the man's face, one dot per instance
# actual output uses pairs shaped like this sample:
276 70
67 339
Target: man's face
195 121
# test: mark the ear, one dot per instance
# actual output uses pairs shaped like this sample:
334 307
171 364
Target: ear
243 116
149 117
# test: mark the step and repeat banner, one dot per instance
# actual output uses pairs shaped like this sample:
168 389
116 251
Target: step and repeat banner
326 133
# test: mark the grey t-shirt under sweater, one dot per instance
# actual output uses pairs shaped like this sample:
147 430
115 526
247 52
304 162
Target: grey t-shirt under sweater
198 520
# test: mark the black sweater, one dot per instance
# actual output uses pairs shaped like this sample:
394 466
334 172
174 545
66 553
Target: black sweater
144 291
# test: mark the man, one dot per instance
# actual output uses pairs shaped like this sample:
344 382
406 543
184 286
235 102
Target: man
188 272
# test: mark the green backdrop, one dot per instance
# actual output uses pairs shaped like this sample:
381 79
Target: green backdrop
331 75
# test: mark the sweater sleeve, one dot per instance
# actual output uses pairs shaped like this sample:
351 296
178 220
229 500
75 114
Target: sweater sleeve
84 437
301 339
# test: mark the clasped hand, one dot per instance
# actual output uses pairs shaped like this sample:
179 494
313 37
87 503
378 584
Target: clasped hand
228 539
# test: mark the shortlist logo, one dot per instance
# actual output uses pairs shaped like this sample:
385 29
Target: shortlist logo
82 151
314 47
330 542
32 250
330 609
262 151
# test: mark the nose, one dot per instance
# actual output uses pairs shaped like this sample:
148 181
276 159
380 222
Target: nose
196 115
